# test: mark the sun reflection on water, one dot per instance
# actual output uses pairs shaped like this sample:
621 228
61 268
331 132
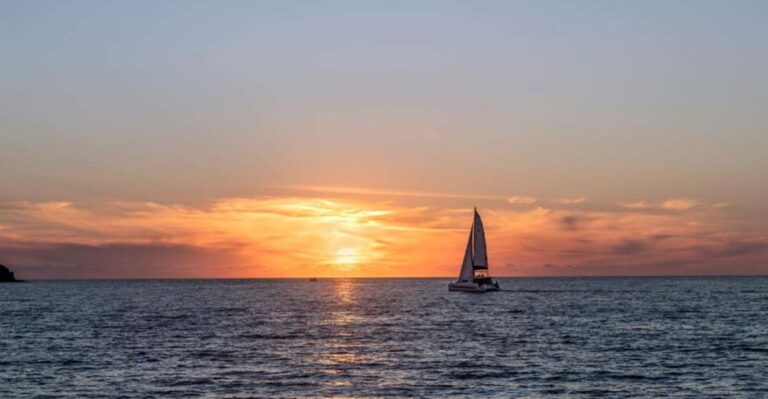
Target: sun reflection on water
345 291
341 350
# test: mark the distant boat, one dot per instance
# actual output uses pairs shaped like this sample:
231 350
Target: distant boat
313 279
474 276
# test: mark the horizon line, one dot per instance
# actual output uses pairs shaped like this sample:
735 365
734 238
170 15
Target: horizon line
392 277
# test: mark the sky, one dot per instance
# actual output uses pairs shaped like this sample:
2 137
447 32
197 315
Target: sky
189 139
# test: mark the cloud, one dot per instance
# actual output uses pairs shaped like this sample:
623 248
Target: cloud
570 222
67 261
569 201
674 204
636 205
521 200
679 204
738 248
295 236
629 247
387 193
303 236
661 237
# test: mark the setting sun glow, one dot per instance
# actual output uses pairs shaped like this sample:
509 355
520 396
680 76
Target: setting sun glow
366 237
347 258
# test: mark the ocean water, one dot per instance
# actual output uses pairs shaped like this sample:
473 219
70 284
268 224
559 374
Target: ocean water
541 337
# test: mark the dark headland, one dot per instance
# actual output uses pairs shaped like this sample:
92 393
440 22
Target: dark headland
6 276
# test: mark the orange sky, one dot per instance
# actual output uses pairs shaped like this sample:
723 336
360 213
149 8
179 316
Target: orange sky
351 232
271 139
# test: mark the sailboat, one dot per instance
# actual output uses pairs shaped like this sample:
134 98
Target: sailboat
474 276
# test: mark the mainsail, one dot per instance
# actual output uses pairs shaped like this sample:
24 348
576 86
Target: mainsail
480 254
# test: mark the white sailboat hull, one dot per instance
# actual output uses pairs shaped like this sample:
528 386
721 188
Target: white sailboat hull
470 286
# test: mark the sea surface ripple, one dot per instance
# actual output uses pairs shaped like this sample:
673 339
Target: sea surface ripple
539 338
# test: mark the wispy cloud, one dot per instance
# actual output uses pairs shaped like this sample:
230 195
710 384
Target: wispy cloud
569 201
679 204
674 204
571 222
303 236
388 193
521 200
637 205
295 236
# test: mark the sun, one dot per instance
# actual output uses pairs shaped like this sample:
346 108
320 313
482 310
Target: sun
347 258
